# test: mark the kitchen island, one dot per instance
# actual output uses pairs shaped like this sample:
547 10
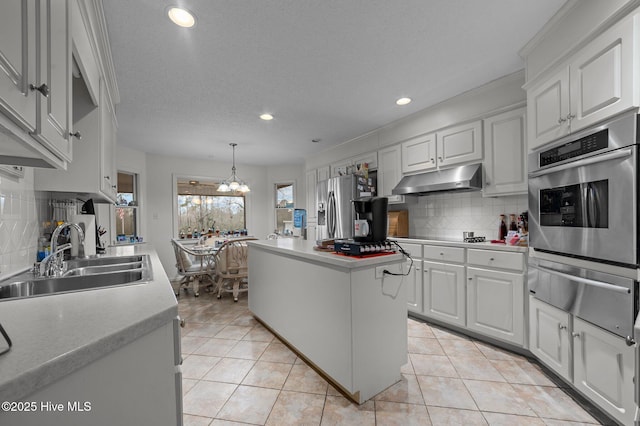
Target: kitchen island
101 357
342 314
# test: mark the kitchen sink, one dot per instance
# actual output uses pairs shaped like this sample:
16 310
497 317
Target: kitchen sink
81 275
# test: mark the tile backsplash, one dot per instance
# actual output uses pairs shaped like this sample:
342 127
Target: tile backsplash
447 215
19 222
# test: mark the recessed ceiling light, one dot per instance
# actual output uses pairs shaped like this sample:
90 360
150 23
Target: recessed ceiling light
181 17
266 117
403 101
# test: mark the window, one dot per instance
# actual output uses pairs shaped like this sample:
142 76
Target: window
202 208
126 209
284 208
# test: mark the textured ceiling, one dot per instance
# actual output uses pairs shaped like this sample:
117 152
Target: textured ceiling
325 69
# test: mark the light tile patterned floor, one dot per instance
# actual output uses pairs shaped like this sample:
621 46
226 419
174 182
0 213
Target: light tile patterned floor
236 372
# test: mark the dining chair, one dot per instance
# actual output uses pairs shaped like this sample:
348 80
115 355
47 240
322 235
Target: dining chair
232 269
193 266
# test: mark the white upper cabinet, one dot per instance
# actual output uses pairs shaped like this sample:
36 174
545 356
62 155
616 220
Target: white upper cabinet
547 108
389 173
323 173
459 144
35 82
54 111
454 145
108 175
419 153
592 85
17 62
505 159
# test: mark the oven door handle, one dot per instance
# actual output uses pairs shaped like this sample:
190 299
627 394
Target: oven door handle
586 281
619 153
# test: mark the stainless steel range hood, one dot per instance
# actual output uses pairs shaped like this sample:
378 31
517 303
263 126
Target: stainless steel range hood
462 178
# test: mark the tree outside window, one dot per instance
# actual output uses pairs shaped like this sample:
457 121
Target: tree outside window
202 209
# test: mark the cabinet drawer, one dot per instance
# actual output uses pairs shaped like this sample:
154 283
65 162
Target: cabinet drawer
496 259
444 254
415 250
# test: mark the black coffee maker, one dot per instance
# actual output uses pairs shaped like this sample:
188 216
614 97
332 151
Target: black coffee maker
370 223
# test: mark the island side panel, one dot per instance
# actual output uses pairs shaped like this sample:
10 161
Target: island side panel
308 304
379 329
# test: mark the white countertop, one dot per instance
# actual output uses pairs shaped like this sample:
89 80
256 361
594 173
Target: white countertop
55 335
436 242
303 249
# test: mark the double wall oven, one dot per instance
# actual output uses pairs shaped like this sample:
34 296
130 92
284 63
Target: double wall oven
583 201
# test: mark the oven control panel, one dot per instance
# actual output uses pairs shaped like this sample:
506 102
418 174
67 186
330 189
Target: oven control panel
591 143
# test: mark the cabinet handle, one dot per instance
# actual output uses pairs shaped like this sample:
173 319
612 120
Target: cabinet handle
107 178
433 160
630 341
440 158
562 327
491 259
182 322
113 186
470 279
576 335
43 88
76 135
570 117
441 254
487 183
561 120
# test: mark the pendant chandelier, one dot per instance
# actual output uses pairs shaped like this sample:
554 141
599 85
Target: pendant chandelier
233 183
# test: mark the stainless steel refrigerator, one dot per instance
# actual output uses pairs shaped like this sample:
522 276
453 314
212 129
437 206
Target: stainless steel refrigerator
335 210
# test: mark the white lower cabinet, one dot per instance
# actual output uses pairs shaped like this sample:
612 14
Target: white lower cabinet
603 369
137 384
444 292
598 363
414 285
495 304
549 336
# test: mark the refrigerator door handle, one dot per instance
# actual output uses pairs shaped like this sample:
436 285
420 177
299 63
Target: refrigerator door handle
331 210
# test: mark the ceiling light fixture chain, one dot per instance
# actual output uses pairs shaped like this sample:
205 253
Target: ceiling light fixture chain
233 183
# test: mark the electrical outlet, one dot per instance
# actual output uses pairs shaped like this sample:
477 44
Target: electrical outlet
380 272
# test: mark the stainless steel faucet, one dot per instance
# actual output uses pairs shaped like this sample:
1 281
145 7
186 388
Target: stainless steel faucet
53 265
60 228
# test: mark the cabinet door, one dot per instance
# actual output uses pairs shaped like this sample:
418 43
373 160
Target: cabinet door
389 173
18 62
108 175
549 336
419 154
312 209
602 76
495 304
53 112
459 144
444 292
603 369
547 109
414 286
323 173
505 159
